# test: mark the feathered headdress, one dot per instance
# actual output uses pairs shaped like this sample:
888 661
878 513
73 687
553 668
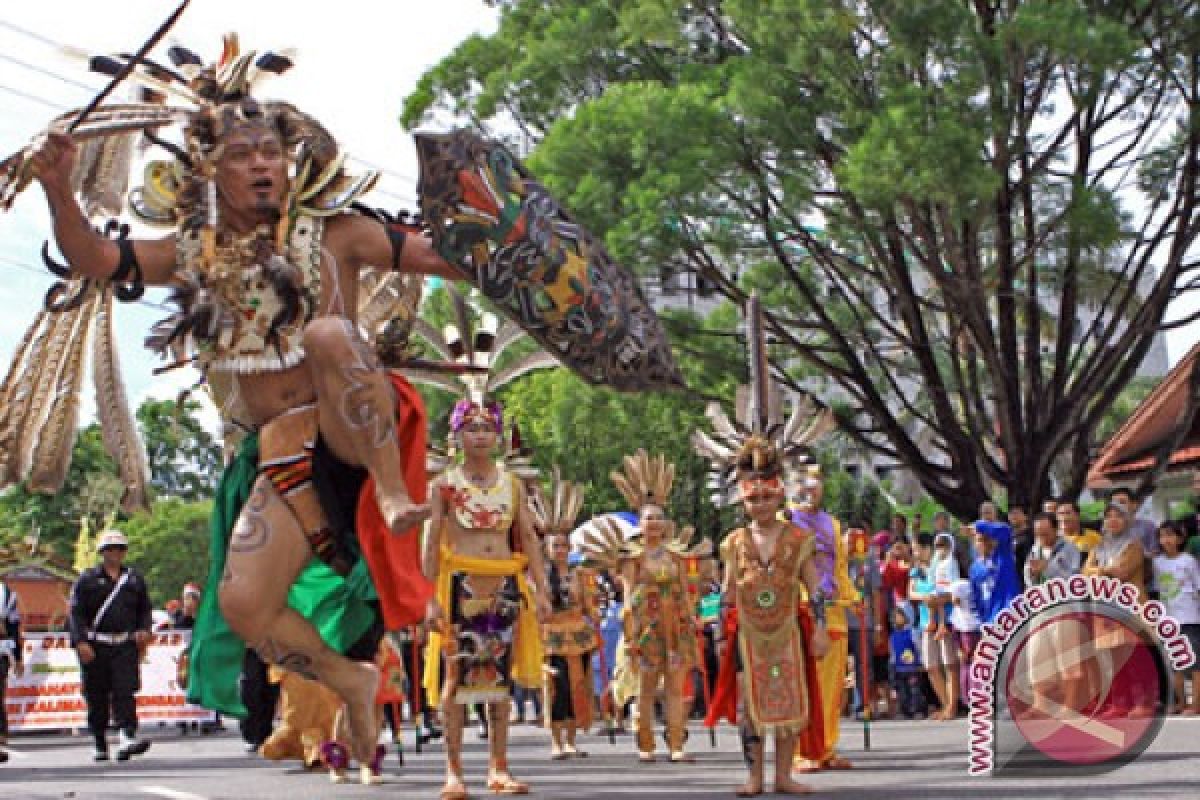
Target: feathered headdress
758 442
39 404
475 343
644 480
604 545
556 514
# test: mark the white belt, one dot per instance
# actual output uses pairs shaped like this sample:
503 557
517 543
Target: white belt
109 638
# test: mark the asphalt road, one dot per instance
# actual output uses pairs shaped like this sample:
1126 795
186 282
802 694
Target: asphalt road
907 760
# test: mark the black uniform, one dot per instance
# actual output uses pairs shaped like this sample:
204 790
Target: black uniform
113 676
10 652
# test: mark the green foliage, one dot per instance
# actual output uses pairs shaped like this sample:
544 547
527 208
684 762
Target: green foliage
934 142
185 459
169 546
185 463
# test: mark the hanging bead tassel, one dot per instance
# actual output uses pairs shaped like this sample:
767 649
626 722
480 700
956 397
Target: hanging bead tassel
208 236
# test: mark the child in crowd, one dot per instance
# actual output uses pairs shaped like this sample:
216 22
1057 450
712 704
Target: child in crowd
894 574
966 628
906 667
1177 577
944 569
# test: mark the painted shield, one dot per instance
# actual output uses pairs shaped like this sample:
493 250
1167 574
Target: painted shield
491 219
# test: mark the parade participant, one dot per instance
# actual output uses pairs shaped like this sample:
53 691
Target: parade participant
765 566
660 633
11 655
265 266
110 623
570 633
479 547
776 638
604 661
838 591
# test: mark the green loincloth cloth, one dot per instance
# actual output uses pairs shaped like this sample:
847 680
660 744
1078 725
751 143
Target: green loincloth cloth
340 608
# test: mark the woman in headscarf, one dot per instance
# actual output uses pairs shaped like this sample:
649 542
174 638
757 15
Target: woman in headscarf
1119 555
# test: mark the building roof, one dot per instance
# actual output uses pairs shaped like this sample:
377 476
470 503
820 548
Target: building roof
1131 449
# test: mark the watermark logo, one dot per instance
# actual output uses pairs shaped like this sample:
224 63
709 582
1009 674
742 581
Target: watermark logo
1074 675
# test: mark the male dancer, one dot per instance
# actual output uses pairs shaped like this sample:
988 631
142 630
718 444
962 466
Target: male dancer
266 263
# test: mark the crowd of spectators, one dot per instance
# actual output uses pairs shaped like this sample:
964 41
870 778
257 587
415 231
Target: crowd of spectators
931 590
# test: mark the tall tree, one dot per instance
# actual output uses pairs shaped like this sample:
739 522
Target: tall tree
969 217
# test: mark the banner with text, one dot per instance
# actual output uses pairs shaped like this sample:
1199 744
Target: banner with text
48 695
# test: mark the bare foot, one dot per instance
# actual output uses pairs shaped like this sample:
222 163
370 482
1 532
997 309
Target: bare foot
788 786
400 513
502 782
454 789
359 696
751 788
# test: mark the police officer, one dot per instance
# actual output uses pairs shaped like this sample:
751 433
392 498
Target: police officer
110 623
10 655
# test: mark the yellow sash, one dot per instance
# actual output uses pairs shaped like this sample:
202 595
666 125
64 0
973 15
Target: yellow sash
527 643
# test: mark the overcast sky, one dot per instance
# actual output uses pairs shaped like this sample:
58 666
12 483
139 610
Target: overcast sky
356 62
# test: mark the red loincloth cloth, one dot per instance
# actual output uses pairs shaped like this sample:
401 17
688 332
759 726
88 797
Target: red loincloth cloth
394 560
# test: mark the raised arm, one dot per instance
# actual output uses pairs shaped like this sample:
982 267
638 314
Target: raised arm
369 244
87 252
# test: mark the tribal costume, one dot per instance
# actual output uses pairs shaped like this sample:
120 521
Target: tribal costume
830 555
770 647
247 303
660 630
771 630
569 638
570 635
494 637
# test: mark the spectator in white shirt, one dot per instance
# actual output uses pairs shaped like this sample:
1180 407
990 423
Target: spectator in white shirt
1177 577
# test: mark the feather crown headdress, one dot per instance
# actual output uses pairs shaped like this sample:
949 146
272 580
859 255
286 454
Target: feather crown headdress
556 514
645 480
758 442
475 342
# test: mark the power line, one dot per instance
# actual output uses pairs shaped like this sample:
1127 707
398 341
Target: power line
48 73
61 47
12 26
32 97
27 267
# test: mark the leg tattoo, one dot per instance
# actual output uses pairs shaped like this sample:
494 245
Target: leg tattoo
362 407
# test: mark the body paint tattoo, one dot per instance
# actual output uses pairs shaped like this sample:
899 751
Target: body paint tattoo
362 406
252 530
273 653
